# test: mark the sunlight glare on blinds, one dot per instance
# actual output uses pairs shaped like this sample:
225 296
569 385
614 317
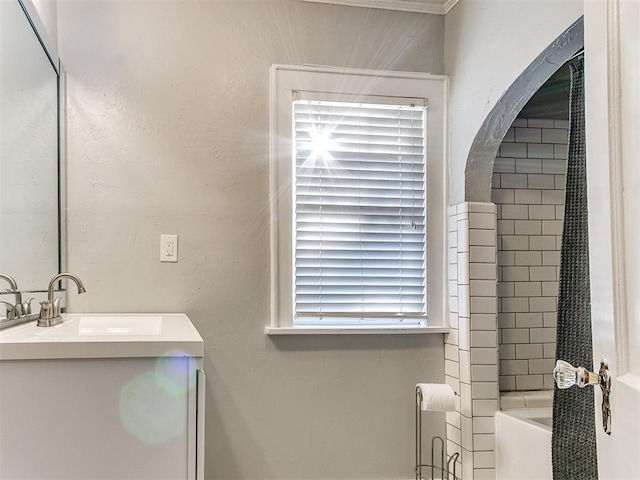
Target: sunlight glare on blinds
359 214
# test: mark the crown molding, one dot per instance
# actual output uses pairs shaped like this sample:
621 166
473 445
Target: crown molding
434 7
449 4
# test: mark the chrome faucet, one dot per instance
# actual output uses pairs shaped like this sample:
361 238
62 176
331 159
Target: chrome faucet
50 308
18 309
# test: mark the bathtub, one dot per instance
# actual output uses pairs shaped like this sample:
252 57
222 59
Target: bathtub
523 437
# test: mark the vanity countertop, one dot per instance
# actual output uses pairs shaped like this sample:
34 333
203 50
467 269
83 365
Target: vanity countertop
103 336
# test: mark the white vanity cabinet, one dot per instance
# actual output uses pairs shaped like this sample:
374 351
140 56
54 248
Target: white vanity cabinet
102 397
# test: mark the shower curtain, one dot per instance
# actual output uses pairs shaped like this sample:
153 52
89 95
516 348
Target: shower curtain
574 436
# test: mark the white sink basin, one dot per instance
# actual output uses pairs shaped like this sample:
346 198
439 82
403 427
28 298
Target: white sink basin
120 325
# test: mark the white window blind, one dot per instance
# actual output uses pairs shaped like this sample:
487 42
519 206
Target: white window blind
359 214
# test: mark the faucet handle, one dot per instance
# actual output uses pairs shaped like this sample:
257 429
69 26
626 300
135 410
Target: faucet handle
47 315
50 310
11 311
26 306
46 310
56 306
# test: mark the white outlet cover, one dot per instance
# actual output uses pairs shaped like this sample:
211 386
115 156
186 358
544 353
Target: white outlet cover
169 248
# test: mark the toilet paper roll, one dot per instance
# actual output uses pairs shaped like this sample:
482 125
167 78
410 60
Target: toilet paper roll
437 397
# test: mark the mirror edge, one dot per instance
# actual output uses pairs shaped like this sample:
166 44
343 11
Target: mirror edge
62 170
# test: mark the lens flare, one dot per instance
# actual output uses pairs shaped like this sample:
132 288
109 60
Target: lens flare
321 145
153 406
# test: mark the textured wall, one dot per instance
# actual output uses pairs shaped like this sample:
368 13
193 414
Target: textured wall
488 44
168 111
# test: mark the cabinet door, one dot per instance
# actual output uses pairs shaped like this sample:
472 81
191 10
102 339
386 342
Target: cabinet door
97 419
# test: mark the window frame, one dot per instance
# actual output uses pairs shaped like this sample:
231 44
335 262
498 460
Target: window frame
285 81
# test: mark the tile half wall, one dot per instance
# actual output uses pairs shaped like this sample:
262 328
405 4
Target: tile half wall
471 349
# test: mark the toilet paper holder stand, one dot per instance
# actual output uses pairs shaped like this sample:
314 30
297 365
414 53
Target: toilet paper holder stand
447 467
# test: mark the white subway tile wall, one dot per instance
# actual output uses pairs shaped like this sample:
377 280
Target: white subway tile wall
528 190
471 354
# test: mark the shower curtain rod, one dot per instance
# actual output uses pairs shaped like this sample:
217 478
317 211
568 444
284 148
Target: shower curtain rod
577 54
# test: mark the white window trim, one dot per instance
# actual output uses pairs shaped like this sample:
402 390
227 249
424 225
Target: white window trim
285 80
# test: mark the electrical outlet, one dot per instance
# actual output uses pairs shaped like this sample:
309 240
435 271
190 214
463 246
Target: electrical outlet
168 248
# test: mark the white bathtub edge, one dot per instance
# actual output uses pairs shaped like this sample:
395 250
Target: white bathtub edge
523 445
526 399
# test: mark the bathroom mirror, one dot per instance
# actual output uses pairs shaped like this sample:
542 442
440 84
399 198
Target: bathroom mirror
30 187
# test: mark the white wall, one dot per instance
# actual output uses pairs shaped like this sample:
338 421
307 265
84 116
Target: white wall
168 120
488 44
48 12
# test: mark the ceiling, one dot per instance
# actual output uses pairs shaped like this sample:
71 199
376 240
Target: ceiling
438 7
550 101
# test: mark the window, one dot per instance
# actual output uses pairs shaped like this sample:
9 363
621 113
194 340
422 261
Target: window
357 183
